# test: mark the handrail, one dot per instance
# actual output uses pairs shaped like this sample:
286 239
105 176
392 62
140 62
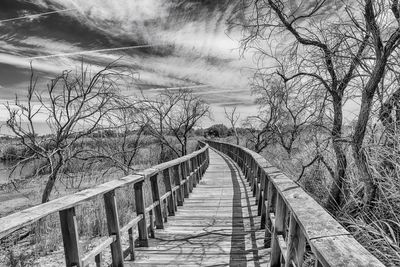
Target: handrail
179 175
293 218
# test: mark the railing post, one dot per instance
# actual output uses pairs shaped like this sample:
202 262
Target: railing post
110 204
296 244
271 197
178 176
193 163
184 177
264 197
143 239
257 183
280 212
168 186
261 193
188 164
156 197
69 230
197 165
131 244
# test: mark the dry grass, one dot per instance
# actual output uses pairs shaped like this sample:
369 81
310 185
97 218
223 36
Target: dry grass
44 243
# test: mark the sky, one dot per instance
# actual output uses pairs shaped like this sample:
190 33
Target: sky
169 43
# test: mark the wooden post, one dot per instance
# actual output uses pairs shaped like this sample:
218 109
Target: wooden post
271 197
156 197
257 183
188 165
193 162
131 244
151 226
69 230
178 176
254 177
143 240
98 259
263 199
110 205
184 177
195 169
280 212
168 186
296 244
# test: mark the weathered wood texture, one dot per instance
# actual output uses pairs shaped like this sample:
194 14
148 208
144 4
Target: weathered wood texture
217 225
66 208
292 217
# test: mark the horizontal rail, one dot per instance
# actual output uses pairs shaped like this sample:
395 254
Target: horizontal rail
179 175
293 218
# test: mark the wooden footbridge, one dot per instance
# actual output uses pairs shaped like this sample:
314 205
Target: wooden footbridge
222 205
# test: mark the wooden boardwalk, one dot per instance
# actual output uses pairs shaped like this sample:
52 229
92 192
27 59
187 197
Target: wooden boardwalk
217 225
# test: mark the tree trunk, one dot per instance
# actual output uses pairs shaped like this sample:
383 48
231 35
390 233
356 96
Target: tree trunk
336 192
370 188
51 181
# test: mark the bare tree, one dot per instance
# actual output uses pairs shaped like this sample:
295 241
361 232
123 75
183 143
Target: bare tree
75 104
233 118
325 56
385 38
120 142
173 113
259 132
185 115
156 110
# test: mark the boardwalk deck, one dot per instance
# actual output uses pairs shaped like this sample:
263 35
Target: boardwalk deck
217 225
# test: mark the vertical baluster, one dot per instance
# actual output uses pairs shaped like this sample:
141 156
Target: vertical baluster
188 165
254 177
69 230
264 197
257 184
131 244
280 212
178 179
156 197
110 204
98 259
261 192
271 197
296 244
143 239
184 177
151 226
168 187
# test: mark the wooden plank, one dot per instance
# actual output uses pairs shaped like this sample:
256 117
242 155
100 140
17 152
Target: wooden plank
110 205
313 220
69 230
17 220
342 251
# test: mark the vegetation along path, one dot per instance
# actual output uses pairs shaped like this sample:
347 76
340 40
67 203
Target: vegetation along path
217 225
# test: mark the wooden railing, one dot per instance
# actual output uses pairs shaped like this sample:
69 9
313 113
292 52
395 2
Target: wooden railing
179 176
292 218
